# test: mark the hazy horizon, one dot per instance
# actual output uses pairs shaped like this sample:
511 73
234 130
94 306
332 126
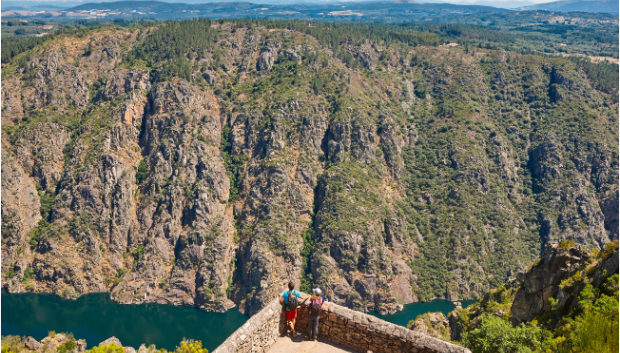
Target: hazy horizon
457 2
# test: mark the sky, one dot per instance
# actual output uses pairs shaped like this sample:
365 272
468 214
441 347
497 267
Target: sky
60 4
462 2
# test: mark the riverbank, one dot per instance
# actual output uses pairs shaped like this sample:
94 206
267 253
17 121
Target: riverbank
67 343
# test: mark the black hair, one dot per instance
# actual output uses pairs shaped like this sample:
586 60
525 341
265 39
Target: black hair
291 285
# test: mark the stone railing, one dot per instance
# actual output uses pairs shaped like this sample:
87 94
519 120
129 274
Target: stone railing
366 333
258 333
348 328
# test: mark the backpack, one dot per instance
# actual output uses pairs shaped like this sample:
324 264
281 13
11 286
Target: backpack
315 307
292 301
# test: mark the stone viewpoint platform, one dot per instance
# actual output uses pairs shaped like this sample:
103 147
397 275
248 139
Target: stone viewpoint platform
286 344
341 330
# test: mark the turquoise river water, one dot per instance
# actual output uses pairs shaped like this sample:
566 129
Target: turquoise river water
411 311
94 317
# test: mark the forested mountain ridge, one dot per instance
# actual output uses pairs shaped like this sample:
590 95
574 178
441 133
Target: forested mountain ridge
205 163
552 33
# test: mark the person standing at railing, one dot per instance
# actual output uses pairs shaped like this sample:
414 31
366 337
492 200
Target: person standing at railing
314 312
290 299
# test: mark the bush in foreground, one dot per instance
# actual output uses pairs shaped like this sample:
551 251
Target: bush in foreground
496 335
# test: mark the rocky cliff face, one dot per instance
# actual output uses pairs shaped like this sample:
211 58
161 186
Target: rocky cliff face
432 324
550 294
561 274
271 159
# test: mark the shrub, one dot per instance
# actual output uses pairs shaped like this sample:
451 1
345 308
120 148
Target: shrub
610 287
11 272
47 203
498 336
191 347
11 344
6 349
571 281
552 302
28 273
609 249
141 173
107 348
567 244
137 252
597 329
34 236
67 347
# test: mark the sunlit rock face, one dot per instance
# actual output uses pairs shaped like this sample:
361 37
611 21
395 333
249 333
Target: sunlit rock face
385 174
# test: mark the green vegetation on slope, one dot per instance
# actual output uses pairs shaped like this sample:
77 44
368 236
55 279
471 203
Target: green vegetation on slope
589 324
603 75
592 326
495 335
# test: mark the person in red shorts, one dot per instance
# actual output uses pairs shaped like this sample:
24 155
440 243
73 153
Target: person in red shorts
290 300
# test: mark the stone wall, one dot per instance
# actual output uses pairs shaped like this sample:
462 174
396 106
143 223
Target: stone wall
352 329
366 333
258 333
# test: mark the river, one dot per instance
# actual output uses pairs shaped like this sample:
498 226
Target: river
411 311
95 317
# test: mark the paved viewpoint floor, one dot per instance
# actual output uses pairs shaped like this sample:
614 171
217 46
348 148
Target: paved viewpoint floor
287 345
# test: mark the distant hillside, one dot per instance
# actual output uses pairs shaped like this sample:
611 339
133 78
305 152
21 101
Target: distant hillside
402 11
116 4
607 6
